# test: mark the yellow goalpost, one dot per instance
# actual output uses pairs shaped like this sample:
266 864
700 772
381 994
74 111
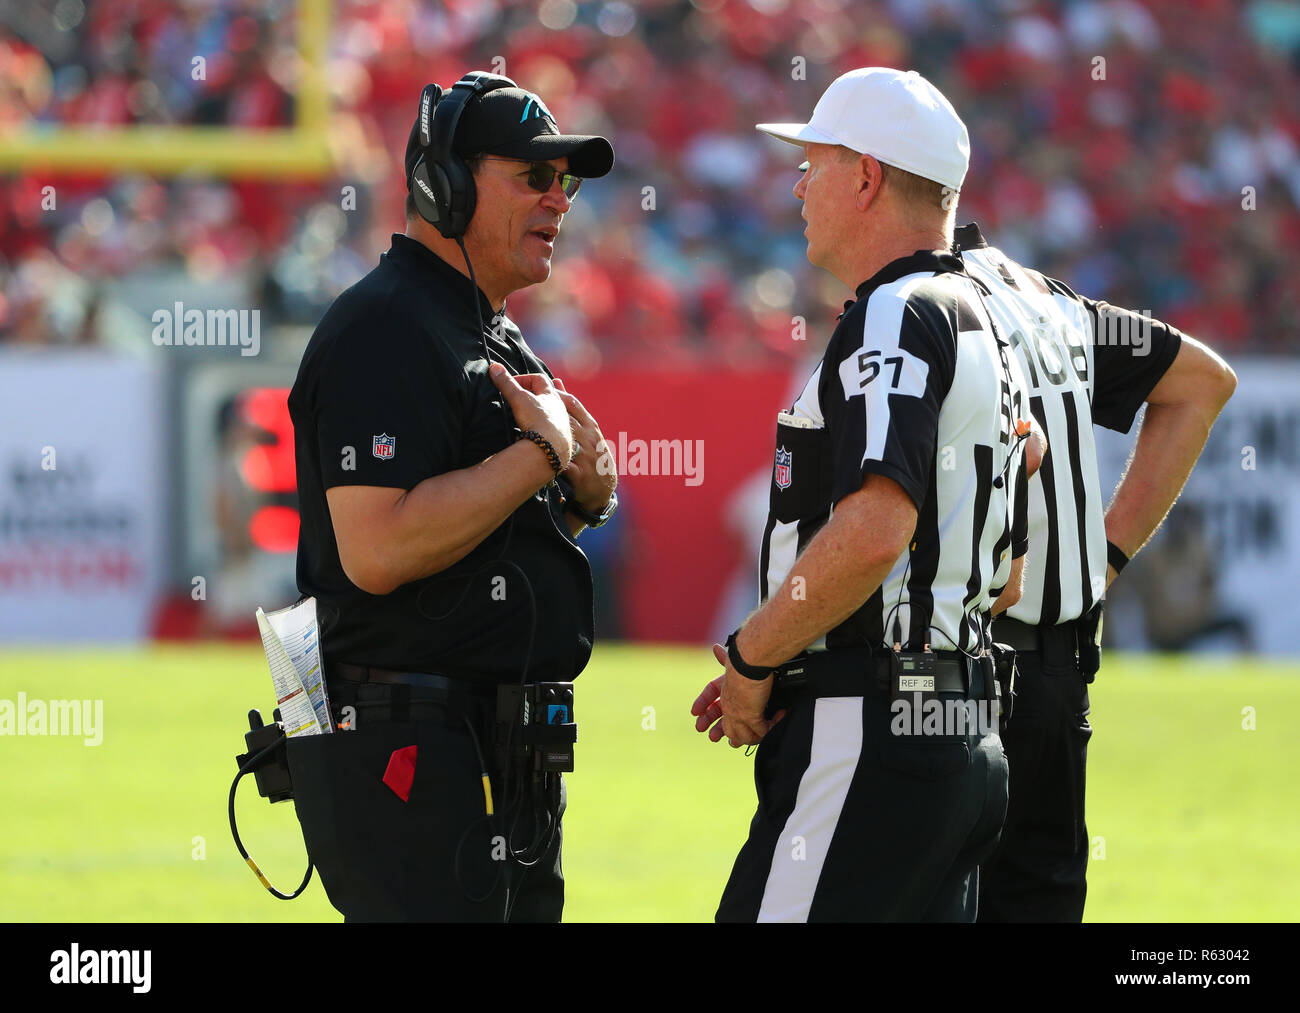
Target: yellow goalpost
299 150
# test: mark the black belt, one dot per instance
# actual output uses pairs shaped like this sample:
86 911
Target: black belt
406 696
1026 638
861 671
1012 632
1057 645
427 680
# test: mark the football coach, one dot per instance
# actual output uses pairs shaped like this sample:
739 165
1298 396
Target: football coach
443 476
896 510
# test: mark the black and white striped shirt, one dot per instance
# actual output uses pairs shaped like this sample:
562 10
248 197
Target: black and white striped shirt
1085 362
912 386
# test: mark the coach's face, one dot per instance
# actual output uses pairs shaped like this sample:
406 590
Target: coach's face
511 237
828 190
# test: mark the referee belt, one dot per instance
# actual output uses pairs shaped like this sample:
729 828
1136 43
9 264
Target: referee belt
1025 638
861 671
1057 647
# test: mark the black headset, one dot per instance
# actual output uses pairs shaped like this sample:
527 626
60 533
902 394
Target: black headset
442 185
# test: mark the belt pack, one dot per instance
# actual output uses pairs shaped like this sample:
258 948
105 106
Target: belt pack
1005 671
535 726
1063 647
530 724
863 672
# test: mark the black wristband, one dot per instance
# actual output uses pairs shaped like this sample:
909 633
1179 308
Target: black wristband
547 449
739 664
1115 556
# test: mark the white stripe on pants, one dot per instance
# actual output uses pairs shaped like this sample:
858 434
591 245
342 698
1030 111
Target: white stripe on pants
832 760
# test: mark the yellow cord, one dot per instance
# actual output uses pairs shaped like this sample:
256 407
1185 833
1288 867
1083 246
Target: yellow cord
487 793
258 873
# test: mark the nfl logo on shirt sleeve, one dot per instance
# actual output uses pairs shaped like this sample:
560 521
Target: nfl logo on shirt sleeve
784 460
384 447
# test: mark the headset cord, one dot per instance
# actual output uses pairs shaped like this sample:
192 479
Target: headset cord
246 767
513 792
512 801
478 304
544 839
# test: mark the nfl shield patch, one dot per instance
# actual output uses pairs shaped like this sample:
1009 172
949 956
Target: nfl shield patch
784 461
384 447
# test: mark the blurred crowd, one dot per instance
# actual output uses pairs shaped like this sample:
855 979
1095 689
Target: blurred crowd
1146 153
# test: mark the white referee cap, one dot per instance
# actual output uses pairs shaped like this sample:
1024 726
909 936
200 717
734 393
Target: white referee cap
895 116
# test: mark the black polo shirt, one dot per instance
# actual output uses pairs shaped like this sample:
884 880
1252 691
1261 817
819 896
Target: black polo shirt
393 389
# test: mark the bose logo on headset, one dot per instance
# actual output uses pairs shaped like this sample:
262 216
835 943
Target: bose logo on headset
427 192
424 115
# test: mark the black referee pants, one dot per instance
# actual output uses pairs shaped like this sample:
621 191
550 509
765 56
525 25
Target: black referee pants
433 857
1038 872
857 824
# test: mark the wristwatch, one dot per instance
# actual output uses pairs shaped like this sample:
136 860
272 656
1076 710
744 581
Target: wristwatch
586 516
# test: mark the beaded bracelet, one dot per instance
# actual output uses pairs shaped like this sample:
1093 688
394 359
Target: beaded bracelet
547 449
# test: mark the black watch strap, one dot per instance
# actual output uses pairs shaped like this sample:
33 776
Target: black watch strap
1115 556
739 664
586 516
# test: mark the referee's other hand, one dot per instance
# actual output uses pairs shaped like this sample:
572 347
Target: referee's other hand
536 405
1035 447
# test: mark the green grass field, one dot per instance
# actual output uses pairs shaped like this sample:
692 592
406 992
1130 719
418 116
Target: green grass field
1199 819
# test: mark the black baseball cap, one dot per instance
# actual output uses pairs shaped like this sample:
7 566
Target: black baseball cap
515 123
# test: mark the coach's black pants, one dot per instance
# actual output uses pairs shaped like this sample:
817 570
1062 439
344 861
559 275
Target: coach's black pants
428 858
857 824
1037 873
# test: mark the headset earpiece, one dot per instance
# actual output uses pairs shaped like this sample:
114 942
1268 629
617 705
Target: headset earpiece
424 195
442 184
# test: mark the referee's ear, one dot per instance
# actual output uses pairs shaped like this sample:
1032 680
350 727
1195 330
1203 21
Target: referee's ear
871 177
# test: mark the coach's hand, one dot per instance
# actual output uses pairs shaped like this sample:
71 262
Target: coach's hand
536 405
592 472
733 706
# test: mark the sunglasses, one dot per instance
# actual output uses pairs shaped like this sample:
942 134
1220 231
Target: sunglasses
541 175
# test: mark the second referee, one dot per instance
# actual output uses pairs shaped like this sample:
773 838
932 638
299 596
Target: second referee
890 535
1086 363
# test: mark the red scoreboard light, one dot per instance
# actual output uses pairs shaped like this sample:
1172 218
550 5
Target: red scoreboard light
238 485
274 529
268 467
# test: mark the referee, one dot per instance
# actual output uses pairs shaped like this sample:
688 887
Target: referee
432 450
889 537
1086 363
